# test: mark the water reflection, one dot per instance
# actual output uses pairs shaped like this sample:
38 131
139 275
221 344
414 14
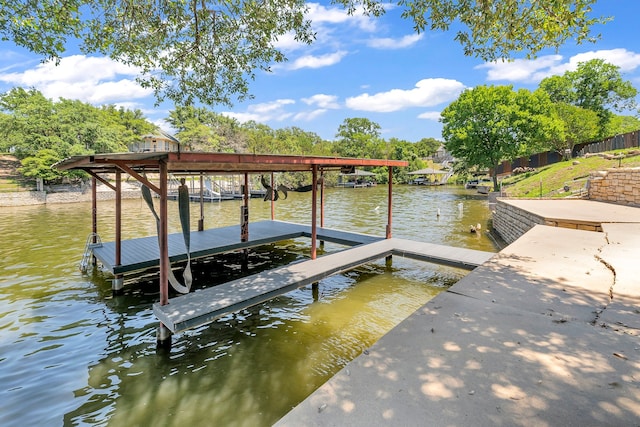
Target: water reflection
71 354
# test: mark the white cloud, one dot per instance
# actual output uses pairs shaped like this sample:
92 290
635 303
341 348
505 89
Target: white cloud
428 92
430 115
534 70
322 101
309 115
287 42
97 80
390 43
320 14
520 69
263 112
626 60
311 61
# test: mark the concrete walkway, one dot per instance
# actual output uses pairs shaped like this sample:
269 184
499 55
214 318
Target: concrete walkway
546 333
577 211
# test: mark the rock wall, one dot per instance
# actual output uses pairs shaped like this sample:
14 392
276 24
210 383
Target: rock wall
27 198
619 185
511 222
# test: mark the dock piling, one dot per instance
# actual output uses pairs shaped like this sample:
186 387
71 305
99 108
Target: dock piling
117 285
163 337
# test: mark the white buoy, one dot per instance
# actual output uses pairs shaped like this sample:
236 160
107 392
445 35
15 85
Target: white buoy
438 213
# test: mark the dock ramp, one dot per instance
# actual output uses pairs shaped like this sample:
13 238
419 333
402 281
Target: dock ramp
204 306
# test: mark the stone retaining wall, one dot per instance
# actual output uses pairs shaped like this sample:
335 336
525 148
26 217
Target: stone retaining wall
27 198
511 222
619 185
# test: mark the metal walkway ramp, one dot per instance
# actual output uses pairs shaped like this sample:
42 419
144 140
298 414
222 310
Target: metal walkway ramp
203 306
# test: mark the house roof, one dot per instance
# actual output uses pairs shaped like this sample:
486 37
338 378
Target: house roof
161 134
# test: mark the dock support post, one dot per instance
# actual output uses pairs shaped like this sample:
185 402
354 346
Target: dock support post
322 205
118 281
163 334
94 215
314 210
315 292
273 209
163 239
163 337
118 259
389 212
201 220
244 221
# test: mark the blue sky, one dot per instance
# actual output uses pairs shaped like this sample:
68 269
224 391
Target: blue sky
377 68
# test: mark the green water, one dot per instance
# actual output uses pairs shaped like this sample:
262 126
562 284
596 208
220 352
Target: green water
71 354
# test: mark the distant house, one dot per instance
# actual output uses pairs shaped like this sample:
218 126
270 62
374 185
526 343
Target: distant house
442 155
159 141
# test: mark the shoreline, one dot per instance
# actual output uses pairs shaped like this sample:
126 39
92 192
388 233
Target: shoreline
65 194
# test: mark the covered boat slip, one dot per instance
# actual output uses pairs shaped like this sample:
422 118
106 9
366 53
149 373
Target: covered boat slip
143 253
138 165
203 306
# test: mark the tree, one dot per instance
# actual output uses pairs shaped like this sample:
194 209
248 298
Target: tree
622 124
427 147
204 130
357 137
39 165
209 51
578 125
37 129
595 85
489 124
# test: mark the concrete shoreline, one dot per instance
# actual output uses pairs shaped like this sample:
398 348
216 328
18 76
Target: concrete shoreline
67 195
545 333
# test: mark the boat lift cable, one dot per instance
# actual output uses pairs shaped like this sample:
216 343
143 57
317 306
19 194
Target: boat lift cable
183 207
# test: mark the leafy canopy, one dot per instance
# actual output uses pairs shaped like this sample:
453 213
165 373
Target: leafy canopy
208 51
595 85
185 49
489 124
494 29
578 125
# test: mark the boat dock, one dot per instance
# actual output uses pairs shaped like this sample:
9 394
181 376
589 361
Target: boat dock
142 253
203 306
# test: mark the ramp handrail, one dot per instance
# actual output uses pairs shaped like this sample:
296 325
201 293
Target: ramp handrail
93 241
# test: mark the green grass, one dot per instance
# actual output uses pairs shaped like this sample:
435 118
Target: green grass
550 181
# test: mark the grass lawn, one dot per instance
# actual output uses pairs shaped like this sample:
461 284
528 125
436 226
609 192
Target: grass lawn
549 181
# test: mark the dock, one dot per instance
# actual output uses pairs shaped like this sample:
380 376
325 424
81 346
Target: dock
204 306
143 253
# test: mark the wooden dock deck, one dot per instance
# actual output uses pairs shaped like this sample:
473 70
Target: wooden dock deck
203 306
142 253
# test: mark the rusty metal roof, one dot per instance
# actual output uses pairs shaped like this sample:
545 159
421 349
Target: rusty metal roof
192 162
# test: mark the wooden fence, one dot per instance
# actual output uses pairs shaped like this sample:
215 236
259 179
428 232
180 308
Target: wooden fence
627 140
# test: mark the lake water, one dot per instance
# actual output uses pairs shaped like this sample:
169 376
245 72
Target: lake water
71 354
